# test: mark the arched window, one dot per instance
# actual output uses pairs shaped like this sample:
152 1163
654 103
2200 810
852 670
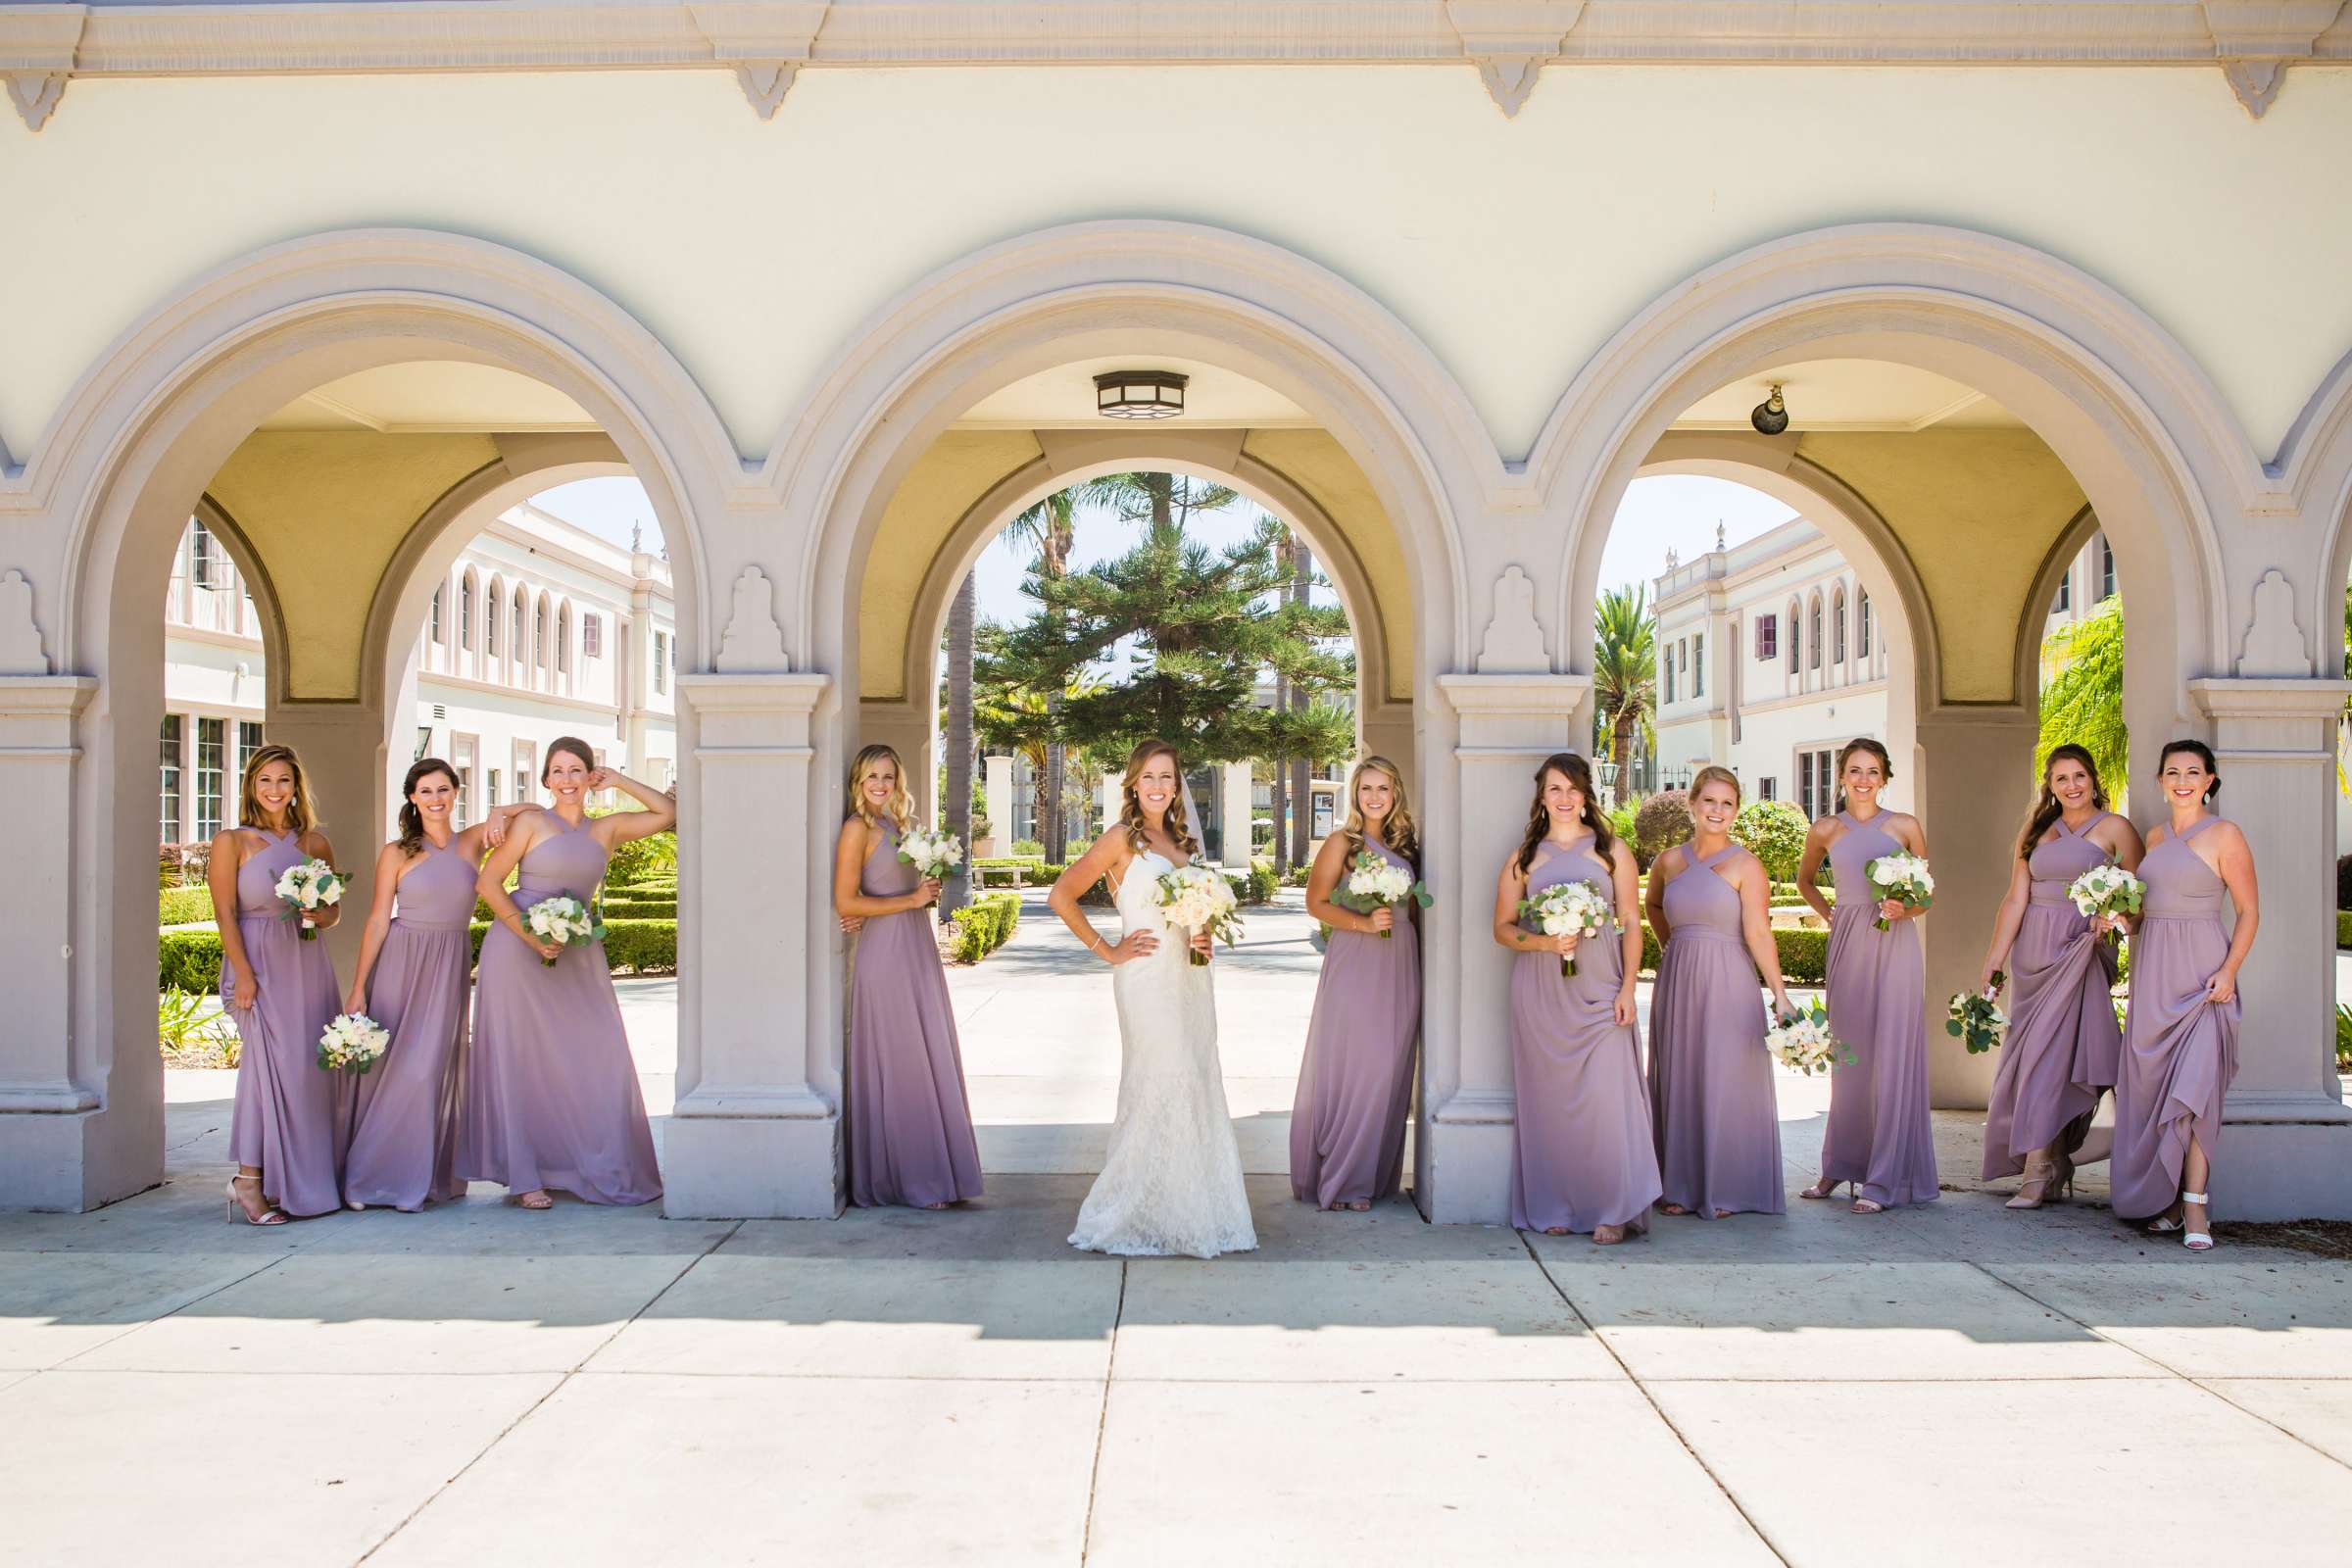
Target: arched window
1813 634
466 611
539 634
1796 638
564 639
1862 622
433 625
490 618
1838 626
520 649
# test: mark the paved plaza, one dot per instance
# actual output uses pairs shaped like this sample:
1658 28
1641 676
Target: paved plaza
479 1385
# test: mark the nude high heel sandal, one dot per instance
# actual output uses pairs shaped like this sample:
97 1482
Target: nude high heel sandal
2195 1241
238 1216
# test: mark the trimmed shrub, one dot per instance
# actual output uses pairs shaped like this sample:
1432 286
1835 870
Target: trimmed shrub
1805 955
2344 928
1255 885
184 905
645 909
1028 849
643 859
1663 821
189 960
2343 881
1296 875
639 947
1774 832
985 924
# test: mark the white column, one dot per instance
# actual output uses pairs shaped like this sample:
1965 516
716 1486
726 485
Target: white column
1110 800
1971 830
1233 786
345 759
1509 724
752 1137
2286 1140
68 1142
999 786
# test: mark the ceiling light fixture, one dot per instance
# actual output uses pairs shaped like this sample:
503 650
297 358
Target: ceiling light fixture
1770 417
1140 394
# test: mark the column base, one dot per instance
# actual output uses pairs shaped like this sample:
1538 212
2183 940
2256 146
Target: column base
728 1166
1468 1162
2283 1157
72 1161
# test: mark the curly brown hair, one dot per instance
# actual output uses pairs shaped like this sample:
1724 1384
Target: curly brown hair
1131 807
1578 774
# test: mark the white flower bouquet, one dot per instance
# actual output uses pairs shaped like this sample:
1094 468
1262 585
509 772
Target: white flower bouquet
1375 882
564 919
1975 1018
1198 898
1567 908
2106 890
307 887
1802 1040
932 851
1904 878
353 1042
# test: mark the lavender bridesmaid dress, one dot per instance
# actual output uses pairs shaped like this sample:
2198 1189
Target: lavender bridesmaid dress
551 1093
2059 1054
909 1123
289 1116
1356 1083
2180 1050
1710 1078
404 1137
1580 1153
1880 1135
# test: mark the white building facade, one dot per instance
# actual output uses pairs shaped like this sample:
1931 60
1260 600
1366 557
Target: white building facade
541 629
1772 656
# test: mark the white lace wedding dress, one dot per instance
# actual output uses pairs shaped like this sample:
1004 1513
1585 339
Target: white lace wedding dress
1171 1185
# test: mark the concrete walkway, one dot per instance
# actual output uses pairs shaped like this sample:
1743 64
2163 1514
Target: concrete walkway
476 1383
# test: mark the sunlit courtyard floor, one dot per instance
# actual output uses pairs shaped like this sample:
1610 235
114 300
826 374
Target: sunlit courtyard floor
476 1383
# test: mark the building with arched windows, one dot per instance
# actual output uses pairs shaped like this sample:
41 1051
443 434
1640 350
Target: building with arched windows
485 698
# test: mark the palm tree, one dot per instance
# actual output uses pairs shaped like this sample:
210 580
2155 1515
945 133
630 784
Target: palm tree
1625 671
959 740
1050 528
1302 567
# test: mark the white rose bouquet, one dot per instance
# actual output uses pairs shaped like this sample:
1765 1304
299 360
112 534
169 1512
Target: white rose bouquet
353 1042
1198 898
2106 890
932 851
564 919
1376 882
1974 1017
307 887
1904 878
1567 908
1802 1040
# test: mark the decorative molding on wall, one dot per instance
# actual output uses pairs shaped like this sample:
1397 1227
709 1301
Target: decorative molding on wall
2273 643
20 636
753 641
1514 640
1510 41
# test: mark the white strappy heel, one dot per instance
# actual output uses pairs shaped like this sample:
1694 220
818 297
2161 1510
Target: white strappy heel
2196 1241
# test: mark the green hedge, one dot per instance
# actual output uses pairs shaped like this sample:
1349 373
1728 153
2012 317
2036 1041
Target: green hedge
184 905
999 862
1805 955
641 908
985 924
1255 885
191 959
2344 928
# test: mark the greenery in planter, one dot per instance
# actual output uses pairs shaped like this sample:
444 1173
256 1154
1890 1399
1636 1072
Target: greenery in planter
190 1034
985 924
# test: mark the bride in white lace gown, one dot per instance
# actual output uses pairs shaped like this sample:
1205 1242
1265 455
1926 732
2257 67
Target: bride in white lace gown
1171 1185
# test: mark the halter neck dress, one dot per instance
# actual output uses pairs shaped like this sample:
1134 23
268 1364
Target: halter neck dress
909 1121
1581 1155
1356 1081
404 1137
1715 1116
1880 1136
2180 1050
550 1093
290 1115
2059 1054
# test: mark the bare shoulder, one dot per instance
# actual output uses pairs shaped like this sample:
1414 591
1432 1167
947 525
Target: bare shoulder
315 845
1668 866
2227 836
232 842
1620 856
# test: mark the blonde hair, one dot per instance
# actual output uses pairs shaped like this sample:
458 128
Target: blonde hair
902 801
1131 807
1397 829
1710 774
302 812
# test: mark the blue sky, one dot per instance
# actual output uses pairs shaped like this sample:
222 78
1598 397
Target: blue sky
1676 513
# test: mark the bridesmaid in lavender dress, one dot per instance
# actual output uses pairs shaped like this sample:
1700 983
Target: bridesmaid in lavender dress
1880 1138
414 969
910 1122
551 1092
1582 1157
2181 1043
1355 1082
2059 1054
1716 1119
285 1131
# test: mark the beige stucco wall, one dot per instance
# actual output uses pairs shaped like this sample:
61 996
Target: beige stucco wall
1977 513
324 512
957 469
1514 248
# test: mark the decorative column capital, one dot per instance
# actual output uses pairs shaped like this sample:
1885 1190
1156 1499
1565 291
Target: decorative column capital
2269 698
